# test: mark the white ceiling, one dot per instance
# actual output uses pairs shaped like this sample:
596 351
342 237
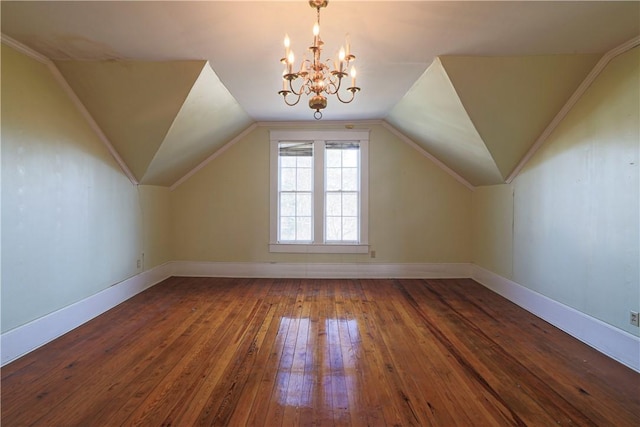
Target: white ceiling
394 41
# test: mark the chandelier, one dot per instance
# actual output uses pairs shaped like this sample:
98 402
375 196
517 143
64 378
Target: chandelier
315 77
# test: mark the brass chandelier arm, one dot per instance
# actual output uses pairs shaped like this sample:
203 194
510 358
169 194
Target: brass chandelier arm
285 93
291 77
353 91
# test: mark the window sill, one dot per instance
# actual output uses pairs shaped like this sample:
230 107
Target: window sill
326 248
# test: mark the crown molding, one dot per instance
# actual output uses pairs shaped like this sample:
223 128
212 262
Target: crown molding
571 102
64 85
26 50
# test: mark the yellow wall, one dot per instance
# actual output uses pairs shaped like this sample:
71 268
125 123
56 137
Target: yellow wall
576 206
72 222
417 213
156 225
493 229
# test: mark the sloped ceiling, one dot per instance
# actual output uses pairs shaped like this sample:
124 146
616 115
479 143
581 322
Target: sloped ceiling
162 118
484 113
134 103
208 119
473 83
443 128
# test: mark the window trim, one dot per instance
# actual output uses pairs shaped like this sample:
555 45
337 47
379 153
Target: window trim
318 245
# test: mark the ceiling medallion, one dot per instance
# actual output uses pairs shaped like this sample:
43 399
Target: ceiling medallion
316 79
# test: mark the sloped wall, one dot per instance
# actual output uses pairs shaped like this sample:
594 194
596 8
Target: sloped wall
72 222
575 233
417 212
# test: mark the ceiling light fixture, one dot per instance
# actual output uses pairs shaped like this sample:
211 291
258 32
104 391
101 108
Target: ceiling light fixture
315 74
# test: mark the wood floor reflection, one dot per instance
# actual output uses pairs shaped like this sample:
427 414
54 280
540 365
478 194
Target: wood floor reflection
204 351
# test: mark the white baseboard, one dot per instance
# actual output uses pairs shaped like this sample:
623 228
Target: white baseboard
26 338
615 343
605 338
321 270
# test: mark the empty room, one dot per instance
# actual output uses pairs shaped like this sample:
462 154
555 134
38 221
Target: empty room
328 213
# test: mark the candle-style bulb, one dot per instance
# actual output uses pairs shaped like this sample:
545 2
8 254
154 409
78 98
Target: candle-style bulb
287 41
316 29
341 54
290 62
353 76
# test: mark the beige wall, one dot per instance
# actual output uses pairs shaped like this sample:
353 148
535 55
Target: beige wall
72 222
417 213
156 225
492 233
576 206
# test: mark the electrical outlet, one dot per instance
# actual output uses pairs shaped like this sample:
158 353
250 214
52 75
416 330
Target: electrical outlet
139 264
373 254
634 319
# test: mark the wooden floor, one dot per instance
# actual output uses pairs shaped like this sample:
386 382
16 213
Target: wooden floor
203 351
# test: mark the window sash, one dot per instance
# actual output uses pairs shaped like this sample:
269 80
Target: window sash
295 192
342 189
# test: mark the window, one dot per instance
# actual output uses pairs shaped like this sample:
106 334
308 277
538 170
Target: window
319 191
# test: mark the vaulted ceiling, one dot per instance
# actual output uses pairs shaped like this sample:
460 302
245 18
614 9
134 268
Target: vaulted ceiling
474 83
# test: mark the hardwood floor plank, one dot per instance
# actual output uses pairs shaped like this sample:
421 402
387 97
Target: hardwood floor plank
237 352
64 355
519 387
197 405
283 295
151 379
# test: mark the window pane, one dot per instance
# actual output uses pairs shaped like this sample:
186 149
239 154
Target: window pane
287 204
350 158
334 179
350 204
287 162
305 161
350 179
333 204
303 204
303 180
287 179
303 229
350 229
287 228
334 228
334 158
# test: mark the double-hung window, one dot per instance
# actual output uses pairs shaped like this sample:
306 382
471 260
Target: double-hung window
319 191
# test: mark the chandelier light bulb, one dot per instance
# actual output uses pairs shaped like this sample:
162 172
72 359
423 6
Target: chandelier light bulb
290 60
353 76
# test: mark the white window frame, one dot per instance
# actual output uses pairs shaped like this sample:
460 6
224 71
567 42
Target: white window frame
318 138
